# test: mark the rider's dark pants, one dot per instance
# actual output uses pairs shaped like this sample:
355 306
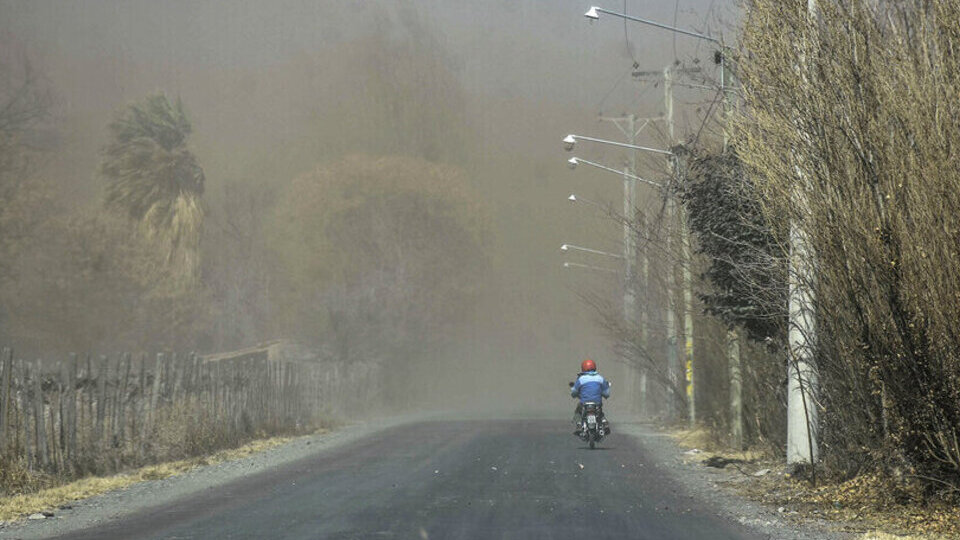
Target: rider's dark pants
578 414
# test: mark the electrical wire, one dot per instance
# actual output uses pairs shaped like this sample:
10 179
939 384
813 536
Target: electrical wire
707 117
626 38
616 84
676 11
704 24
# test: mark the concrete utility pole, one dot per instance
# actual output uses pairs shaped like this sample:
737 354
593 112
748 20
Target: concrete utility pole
802 383
736 390
733 336
673 337
686 284
593 14
676 350
671 330
629 205
628 125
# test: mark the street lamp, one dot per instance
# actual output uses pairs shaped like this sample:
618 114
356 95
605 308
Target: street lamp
571 140
594 14
568 247
629 187
589 267
575 199
574 161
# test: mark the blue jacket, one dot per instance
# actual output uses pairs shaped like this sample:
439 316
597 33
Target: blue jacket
590 386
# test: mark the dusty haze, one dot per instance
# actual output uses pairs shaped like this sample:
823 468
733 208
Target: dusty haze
280 91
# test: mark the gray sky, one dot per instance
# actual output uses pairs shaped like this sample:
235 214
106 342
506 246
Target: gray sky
268 85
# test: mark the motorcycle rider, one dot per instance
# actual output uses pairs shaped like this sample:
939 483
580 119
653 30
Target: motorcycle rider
590 387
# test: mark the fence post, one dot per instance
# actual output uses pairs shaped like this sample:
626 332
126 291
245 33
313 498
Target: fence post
179 364
101 398
71 384
91 382
56 451
39 417
61 427
74 405
137 432
5 399
155 394
217 383
139 408
194 380
25 411
120 407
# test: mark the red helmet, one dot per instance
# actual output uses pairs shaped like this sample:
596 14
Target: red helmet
588 365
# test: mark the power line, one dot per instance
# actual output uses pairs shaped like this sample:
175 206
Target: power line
626 38
619 80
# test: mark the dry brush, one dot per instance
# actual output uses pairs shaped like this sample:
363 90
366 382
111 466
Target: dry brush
849 131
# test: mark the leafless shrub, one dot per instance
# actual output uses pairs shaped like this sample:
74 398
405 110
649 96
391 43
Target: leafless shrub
851 121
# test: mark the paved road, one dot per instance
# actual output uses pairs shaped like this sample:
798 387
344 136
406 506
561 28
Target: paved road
509 479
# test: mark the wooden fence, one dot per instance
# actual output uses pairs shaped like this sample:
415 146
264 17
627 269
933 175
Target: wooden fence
100 413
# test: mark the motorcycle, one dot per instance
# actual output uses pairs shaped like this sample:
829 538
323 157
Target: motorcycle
592 425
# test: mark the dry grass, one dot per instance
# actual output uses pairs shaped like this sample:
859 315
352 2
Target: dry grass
881 503
702 439
891 510
19 506
693 438
886 536
868 502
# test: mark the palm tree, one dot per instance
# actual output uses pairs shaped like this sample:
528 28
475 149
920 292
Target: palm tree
155 180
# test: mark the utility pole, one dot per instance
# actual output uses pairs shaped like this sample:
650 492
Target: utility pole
629 250
802 383
676 350
686 284
673 337
628 125
644 281
733 336
671 329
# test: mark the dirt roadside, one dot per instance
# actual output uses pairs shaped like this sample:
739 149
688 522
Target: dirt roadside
863 508
711 484
101 508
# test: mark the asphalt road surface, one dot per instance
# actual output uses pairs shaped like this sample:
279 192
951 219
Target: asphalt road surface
507 479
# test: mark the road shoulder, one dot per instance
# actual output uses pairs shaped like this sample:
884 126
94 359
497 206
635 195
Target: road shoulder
116 504
707 484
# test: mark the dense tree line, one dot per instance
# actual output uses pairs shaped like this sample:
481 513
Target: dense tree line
372 255
848 131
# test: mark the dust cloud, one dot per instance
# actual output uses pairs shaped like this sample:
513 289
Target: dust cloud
381 180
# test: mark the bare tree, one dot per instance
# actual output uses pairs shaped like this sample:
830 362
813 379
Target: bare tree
862 131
